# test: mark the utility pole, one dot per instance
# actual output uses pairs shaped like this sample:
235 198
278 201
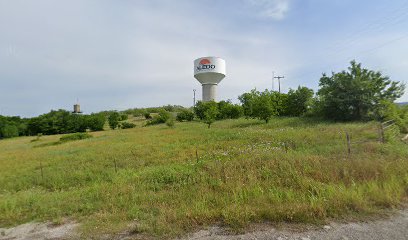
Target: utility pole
279 78
194 97
273 76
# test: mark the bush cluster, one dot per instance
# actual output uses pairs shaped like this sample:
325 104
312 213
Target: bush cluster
126 125
220 110
266 104
185 115
62 121
75 136
162 117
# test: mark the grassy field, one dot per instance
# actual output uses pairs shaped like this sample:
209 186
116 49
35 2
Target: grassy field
162 182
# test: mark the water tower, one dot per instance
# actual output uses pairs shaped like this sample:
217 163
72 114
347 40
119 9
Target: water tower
209 71
77 108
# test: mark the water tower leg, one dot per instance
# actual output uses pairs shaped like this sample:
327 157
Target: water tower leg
209 92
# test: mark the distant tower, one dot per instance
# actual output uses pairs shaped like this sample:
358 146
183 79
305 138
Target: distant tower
77 108
209 71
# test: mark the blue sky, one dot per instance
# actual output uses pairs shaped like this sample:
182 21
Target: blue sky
125 54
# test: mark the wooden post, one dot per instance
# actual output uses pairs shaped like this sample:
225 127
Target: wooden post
348 144
114 162
197 155
42 173
223 176
382 135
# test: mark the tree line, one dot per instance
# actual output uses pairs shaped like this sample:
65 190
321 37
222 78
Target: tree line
354 94
54 122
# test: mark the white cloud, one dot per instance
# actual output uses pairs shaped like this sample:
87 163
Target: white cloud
275 9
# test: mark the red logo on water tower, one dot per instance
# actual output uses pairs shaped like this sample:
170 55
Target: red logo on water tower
205 61
205 64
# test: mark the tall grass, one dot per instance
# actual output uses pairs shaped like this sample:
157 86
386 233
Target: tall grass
162 181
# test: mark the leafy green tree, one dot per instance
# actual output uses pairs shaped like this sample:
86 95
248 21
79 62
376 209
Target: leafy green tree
185 115
207 111
227 110
263 105
96 121
147 115
210 113
392 111
9 131
113 120
199 109
162 117
123 117
78 123
247 101
298 101
356 94
8 124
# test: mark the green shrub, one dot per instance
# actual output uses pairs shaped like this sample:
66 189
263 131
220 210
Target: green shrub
113 120
9 131
147 115
399 114
185 115
96 122
202 107
298 101
126 125
123 117
229 111
75 136
162 117
170 122
263 105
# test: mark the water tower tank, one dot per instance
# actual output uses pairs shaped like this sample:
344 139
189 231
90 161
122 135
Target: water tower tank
77 108
209 71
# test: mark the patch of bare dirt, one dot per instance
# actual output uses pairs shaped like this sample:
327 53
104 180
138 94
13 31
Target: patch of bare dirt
39 231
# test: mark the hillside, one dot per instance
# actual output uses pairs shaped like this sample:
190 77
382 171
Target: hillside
162 182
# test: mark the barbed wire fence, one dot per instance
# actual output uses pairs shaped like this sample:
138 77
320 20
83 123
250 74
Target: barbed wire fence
386 130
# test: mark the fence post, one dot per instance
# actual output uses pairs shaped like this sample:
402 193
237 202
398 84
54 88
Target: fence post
42 173
348 144
381 133
114 162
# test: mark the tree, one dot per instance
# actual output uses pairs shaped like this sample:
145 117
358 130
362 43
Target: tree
162 117
298 101
356 94
396 113
247 101
147 115
123 117
113 120
263 105
210 113
96 121
9 131
12 127
227 110
199 109
185 115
